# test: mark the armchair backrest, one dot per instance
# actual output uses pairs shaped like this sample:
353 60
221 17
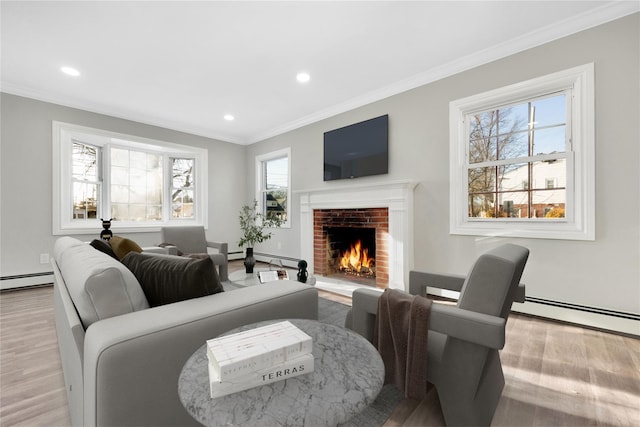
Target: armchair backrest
492 283
190 240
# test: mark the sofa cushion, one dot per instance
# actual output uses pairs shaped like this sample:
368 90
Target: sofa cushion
166 279
100 286
122 246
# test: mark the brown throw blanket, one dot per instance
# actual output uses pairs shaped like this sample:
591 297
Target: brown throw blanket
401 338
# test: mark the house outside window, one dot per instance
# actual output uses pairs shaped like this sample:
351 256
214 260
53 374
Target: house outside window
515 144
522 159
273 184
141 184
86 182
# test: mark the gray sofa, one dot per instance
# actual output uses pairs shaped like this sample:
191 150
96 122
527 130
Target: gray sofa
121 359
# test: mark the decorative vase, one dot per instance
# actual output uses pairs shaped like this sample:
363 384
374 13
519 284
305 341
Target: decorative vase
249 261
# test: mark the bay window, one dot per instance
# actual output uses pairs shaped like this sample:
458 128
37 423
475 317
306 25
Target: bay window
140 184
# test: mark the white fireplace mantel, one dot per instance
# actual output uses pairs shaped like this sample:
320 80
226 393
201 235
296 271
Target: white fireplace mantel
397 196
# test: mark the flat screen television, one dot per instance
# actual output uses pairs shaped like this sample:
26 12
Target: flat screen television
357 150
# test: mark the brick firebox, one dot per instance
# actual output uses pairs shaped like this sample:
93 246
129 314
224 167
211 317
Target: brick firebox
377 218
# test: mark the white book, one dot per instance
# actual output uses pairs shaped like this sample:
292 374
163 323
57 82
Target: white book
255 341
300 365
273 275
250 341
235 355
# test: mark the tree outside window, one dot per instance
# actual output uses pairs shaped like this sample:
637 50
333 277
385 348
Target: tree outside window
182 188
276 177
86 181
514 153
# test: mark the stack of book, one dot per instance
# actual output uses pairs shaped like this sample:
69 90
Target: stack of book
258 356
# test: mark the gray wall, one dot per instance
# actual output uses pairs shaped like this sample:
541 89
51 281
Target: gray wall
26 150
603 273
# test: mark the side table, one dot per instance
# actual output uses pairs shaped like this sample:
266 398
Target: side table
347 377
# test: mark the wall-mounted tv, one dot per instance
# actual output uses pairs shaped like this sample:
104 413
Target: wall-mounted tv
360 149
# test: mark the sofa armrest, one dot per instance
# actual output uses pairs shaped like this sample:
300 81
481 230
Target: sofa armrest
70 336
520 295
466 325
364 309
221 259
222 247
167 250
132 362
470 326
420 280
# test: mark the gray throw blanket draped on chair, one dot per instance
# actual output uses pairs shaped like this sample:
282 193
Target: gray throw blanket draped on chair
401 339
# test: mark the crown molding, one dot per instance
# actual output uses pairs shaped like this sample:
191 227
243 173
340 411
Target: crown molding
598 16
66 101
564 28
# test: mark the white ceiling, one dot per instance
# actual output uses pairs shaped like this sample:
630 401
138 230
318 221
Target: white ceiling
184 65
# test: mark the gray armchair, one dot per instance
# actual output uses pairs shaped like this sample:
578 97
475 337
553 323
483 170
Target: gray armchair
192 240
463 342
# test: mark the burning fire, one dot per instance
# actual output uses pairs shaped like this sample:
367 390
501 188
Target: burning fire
357 259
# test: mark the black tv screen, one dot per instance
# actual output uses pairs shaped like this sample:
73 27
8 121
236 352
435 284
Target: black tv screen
361 149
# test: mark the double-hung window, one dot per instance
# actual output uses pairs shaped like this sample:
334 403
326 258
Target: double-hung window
273 186
141 184
522 159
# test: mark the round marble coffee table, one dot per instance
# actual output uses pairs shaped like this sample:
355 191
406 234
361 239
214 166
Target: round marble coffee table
347 377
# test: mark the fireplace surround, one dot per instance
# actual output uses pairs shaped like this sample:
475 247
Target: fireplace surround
394 198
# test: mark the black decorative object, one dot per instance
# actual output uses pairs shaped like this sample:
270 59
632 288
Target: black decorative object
249 261
106 234
302 271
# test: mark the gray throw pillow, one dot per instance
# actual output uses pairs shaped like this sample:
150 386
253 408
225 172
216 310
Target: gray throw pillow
168 279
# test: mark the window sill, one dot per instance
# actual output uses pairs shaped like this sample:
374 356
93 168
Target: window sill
546 230
117 228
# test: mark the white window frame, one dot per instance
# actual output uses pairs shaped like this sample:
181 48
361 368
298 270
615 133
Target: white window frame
259 165
579 223
63 136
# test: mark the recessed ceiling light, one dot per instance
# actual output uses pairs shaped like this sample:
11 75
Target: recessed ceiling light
303 77
229 117
70 71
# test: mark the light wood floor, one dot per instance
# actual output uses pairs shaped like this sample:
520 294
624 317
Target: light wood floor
556 374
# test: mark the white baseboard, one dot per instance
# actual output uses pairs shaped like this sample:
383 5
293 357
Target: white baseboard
235 256
25 281
597 319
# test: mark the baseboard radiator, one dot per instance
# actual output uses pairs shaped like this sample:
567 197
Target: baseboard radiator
26 280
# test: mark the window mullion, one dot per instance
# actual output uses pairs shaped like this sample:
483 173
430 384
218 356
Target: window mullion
167 188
